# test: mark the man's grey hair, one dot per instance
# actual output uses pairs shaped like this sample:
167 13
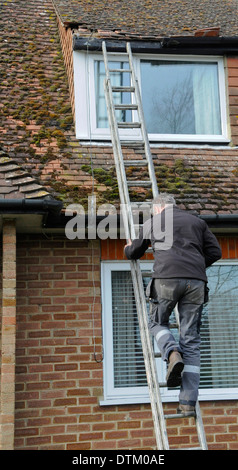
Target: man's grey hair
164 199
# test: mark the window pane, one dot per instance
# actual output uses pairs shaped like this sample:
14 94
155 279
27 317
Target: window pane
220 329
118 79
129 369
180 97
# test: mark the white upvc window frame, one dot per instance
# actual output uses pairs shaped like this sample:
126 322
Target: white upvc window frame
85 102
136 395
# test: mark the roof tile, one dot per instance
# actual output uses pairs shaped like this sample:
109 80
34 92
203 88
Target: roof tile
35 98
157 18
13 186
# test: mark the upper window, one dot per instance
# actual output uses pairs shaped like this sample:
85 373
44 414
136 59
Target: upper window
183 98
124 371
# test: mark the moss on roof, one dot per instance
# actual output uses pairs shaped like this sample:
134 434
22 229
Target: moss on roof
158 18
36 115
38 134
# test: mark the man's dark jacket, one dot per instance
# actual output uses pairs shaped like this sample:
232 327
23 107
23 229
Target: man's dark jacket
193 249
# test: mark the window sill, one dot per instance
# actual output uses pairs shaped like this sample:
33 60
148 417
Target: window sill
204 395
153 140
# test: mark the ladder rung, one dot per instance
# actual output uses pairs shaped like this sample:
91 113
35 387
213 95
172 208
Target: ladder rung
128 125
181 415
135 162
137 228
139 183
146 273
157 355
127 89
148 202
126 106
189 448
120 70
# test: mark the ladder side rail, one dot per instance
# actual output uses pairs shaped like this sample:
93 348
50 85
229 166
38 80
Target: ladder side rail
176 313
146 341
142 327
121 174
118 171
143 126
125 198
200 428
198 416
152 380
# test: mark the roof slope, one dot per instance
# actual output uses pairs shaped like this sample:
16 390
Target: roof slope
35 110
157 18
38 135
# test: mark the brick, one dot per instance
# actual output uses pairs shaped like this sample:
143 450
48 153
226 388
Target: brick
37 441
226 437
65 438
104 445
232 62
50 430
83 446
178 440
65 402
90 436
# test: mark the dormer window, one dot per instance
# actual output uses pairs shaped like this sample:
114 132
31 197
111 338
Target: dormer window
183 97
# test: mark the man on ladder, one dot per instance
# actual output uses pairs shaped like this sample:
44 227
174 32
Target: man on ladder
179 278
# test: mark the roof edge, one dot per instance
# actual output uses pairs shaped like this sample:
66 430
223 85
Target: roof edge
178 44
23 206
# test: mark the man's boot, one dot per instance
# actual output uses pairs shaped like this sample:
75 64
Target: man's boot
185 408
175 369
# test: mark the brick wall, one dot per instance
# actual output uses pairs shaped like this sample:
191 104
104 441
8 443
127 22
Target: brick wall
8 336
58 381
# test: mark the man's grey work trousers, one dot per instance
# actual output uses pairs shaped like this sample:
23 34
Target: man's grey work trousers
188 294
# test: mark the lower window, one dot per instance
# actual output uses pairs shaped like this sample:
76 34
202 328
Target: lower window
124 371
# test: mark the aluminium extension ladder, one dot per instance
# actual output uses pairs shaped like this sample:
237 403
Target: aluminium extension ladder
135 105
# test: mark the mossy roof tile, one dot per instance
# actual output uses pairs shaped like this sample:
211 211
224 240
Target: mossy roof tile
35 95
11 186
158 18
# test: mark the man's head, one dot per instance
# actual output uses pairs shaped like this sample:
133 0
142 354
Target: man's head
161 201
